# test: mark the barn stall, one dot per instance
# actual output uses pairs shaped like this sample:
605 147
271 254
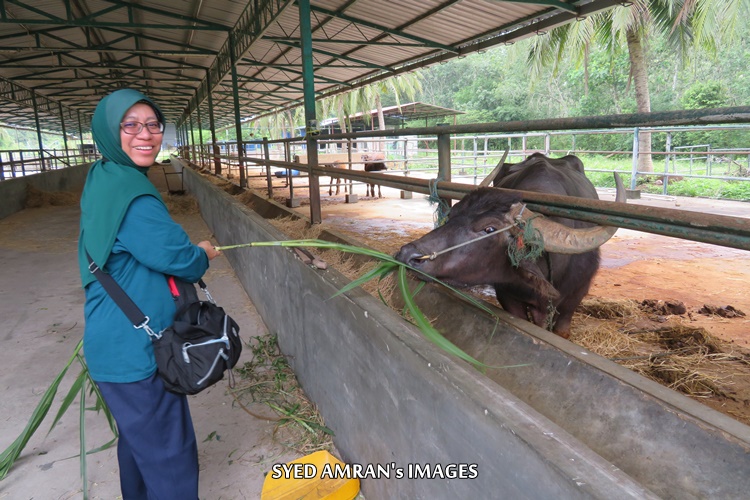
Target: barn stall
568 423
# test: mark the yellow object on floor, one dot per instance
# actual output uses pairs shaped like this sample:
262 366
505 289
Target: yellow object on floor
317 476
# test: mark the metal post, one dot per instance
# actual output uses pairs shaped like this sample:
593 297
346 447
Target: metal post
444 161
12 164
406 156
289 176
62 122
267 166
350 187
237 112
80 134
200 136
311 122
546 144
192 139
708 160
634 172
476 153
40 142
666 163
214 145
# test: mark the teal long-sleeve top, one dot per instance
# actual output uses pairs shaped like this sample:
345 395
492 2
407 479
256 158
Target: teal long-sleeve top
149 245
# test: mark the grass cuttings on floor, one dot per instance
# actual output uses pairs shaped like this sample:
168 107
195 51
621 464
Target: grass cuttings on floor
682 357
268 382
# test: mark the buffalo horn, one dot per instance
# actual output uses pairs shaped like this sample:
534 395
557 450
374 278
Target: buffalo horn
491 177
559 238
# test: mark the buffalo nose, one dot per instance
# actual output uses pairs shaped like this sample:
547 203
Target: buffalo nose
408 254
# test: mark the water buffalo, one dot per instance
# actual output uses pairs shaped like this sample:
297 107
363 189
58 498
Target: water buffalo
374 163
544 288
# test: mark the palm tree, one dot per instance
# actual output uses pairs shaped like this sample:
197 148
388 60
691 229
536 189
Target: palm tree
364 99
407 84
687 24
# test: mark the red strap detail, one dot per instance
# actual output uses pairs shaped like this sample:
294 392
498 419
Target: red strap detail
173 287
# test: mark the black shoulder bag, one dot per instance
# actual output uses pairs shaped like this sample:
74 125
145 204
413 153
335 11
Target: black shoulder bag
200 345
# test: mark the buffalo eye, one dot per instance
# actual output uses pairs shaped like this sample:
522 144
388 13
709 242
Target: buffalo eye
489 229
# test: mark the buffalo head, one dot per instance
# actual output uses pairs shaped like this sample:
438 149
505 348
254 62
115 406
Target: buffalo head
473 247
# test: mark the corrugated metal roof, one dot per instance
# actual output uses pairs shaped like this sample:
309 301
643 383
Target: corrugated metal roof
66 55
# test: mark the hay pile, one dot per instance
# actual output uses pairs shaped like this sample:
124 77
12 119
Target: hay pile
682 357
36 198
181 204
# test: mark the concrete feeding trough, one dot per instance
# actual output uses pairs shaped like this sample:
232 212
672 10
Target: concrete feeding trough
568 424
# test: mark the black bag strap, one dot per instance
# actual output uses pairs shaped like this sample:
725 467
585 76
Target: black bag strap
121 298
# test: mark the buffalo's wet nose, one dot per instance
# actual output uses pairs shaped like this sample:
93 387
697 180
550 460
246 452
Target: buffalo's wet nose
409 254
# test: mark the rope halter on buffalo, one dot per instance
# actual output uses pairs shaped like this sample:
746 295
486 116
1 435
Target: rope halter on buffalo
529 237
528 244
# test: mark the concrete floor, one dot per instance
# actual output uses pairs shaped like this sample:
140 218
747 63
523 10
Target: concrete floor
41 312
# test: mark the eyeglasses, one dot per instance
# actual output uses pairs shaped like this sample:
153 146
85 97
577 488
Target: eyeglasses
133 128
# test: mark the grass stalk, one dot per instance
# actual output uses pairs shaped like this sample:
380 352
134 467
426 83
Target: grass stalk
387 265
78 389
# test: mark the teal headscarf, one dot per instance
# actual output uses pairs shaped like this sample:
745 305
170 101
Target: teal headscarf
112 183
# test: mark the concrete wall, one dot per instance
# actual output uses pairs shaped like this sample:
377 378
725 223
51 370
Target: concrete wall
393 398
13 191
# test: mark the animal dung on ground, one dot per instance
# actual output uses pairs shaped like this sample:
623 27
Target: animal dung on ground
664 307
725 311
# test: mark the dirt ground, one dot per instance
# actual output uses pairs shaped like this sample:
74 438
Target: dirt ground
635 265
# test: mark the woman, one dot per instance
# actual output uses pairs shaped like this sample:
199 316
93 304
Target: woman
127 231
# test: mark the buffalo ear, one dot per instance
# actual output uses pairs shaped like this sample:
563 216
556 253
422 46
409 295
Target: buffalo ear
533 276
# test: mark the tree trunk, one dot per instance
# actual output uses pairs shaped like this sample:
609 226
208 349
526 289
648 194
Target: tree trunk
381 117
290 121
639 71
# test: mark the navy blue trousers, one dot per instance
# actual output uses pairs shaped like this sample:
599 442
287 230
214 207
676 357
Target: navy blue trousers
157 450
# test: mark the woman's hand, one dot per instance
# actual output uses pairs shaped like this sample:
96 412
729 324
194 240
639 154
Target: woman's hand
211 251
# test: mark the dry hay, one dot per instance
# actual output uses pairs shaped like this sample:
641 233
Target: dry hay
351 266
679 356
246 197
222 183
608 309
181 204
36 198
297 228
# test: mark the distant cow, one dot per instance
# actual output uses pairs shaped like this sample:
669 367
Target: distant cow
335 164
342 162
545 287
374 163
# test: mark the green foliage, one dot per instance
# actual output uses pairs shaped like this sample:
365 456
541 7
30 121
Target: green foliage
82 385
711 94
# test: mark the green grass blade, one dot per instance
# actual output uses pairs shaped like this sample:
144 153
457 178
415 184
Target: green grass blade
100 405
388 264
82 438
11 454
426 327
380 271
75 389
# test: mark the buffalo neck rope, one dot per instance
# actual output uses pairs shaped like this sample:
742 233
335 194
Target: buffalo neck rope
515 258
434 255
